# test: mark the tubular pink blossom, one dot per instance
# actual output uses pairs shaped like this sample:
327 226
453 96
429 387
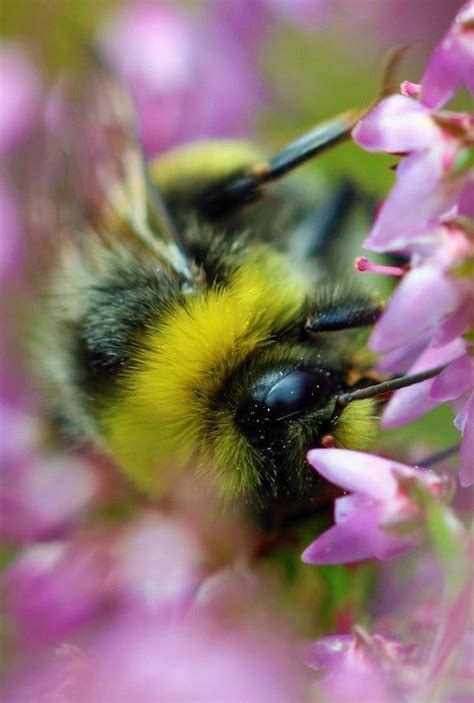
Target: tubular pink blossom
452 62
365 519
397 124
424 298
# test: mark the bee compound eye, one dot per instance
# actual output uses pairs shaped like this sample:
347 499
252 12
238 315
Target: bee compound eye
298 391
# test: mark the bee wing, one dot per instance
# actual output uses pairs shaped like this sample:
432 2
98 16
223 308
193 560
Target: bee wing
122 177
91 178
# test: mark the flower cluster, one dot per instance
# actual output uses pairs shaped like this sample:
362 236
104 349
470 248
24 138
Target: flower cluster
128 615
428 218
380 517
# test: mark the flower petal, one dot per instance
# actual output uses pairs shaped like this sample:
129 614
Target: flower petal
466 471
400 359
455 324
158 563
359 537
423 298
397 124
39 497
183 78
466 199
452 61
345 506
355 539
421 195
54 587
414 401
367 474
329 652
454 380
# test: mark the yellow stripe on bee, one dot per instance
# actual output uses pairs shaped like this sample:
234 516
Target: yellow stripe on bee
358 425
162 412
201 163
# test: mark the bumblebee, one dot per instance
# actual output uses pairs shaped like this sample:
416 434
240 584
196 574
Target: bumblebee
197 320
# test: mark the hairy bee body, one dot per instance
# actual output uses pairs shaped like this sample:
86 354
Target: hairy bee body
222 373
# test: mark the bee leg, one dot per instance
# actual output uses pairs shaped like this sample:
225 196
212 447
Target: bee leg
323 225
344 316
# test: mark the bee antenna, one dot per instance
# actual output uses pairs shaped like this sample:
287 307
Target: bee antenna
437 458
388 386
318 139
246 187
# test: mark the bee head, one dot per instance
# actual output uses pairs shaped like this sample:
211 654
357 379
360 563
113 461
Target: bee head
283 401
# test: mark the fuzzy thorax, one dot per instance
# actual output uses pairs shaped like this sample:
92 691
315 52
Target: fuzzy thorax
163 412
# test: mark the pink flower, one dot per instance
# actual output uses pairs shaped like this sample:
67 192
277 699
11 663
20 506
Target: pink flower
454 384
19 97
308 14
139 659
196 660
40 495
168 57
398 124
346 685
357 651
54 589
428 186
360 665
426 217
393 22
452 62
250 19
159 563
426 300
429 181
453 627
368 520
